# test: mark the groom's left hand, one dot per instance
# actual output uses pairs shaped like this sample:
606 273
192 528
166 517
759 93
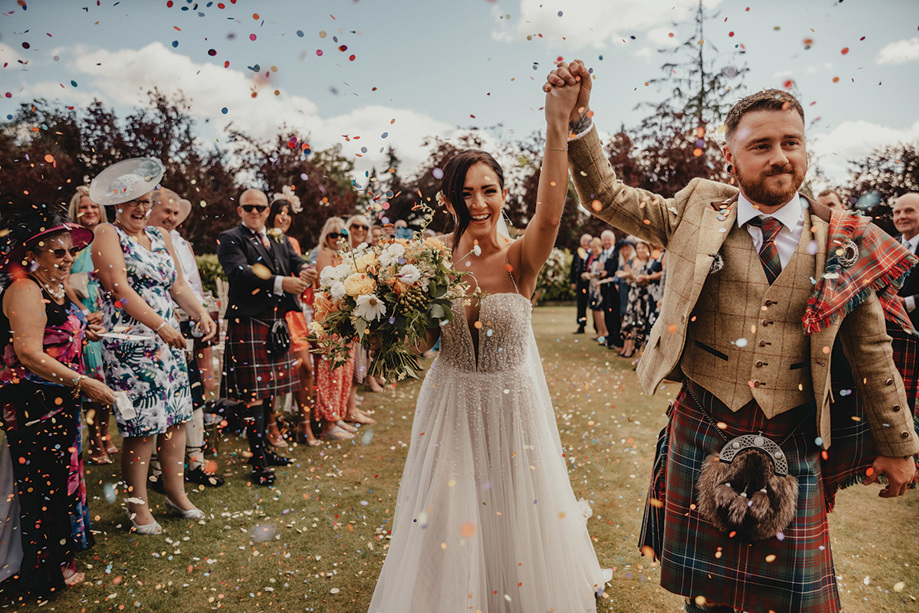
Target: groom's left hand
899 472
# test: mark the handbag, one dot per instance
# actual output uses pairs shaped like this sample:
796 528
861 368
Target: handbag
745 490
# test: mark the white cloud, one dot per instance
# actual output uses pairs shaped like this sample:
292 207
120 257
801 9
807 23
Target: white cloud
855 140
900 52
9 57
122 78
596 23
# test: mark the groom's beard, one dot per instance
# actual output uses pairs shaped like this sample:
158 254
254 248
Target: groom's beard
761 189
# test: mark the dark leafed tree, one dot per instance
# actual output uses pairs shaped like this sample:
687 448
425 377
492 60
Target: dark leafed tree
677 139
322 180
878 180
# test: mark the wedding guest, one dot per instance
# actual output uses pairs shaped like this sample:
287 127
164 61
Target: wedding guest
611 314
145 358
284 206
906 346
579 284
41 382
635 320
265 277
593 274
376 235
168 213
358 226
831 199
83 285
333 386
626 253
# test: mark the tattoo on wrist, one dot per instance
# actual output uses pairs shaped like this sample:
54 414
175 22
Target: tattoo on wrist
581 124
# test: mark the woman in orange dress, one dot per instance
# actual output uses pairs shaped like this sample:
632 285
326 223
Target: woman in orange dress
333 385
279 218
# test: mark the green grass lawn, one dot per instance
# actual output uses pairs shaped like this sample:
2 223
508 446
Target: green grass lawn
316 541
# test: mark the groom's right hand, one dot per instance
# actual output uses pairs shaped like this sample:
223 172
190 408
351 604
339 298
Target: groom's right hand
572 74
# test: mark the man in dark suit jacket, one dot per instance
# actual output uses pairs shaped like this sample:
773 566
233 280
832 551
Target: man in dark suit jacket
612 316
578 283
906 220
265 276
905 346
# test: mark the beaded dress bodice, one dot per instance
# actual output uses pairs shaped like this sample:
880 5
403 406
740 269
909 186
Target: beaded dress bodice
502 339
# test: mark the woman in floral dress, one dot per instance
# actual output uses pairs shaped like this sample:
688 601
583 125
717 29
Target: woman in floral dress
145 357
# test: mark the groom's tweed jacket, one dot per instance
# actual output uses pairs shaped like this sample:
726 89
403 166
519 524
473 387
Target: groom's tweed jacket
704 313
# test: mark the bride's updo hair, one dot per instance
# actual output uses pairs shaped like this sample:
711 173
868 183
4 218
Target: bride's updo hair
452 184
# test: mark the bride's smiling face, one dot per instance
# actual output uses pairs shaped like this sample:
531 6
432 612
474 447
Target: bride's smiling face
484 198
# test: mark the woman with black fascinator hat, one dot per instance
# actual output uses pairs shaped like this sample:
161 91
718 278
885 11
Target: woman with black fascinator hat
41 388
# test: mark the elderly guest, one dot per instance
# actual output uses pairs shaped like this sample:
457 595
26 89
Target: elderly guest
83 286
41 382
145 357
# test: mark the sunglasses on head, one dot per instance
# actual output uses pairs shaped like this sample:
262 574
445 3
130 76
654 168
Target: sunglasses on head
61 252
249 208
358 225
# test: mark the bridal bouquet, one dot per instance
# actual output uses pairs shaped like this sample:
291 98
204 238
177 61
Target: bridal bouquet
385 297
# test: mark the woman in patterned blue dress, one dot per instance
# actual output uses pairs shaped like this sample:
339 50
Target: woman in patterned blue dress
145 358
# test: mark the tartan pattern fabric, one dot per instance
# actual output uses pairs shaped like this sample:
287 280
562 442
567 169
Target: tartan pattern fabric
853 449
881 267
249 371
699 560
769 253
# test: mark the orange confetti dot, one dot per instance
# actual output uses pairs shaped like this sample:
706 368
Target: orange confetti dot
870 471
770 558
835 79
509 268
845 50
478 325
255 16
596 205
697 152
467 530
49 158
672 328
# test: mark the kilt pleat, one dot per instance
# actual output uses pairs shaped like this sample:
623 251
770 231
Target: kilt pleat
699 560
250 372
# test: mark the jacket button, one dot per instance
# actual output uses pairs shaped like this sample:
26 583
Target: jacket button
896 408
762 343
769 302
757 383
904 435
766 322
888 382
759 363
682 318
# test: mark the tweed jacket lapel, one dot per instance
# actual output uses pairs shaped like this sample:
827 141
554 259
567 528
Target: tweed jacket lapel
714 228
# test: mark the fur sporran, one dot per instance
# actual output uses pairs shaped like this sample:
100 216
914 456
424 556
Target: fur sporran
746 489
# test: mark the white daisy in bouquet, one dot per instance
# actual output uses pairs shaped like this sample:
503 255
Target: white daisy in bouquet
385 297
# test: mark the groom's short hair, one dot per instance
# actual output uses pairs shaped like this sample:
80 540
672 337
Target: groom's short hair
765 100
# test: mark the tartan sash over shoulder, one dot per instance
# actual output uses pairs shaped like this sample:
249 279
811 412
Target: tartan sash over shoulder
862 259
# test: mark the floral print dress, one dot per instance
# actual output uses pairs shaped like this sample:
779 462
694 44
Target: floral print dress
153 374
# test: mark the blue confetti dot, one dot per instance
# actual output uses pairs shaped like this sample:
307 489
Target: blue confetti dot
175 44
74 83
224 110
384 134
300 33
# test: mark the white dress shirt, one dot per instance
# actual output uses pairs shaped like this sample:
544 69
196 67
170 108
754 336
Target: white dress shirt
792 217
278 279
187 263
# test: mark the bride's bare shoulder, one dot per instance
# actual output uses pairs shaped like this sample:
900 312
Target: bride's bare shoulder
446 239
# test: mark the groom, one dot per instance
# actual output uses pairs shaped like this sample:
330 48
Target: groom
742 266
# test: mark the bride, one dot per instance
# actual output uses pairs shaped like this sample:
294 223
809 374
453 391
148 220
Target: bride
485 518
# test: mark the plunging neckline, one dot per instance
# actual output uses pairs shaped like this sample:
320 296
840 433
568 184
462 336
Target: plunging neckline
473 338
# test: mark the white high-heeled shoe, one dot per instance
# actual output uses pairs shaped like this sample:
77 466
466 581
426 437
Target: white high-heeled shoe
151 528
193 513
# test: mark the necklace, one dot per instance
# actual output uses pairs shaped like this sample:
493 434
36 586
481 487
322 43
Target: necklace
58 294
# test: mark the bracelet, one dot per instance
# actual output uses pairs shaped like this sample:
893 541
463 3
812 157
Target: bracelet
76 387
160 327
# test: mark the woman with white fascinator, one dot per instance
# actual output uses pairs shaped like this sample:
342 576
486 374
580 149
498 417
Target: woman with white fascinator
144 352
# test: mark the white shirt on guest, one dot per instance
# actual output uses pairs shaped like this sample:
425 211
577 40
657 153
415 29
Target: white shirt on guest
792 217
188 264
911 244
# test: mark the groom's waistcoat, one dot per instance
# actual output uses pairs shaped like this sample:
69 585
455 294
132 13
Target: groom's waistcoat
745 340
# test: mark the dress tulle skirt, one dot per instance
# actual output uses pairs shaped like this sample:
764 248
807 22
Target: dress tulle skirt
486 518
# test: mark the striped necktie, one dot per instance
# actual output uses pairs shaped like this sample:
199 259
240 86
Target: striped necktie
769 253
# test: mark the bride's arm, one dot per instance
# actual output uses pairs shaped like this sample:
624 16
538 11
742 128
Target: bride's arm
539 239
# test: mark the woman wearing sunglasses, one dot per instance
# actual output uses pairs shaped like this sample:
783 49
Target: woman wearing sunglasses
41 384
83 288
144 356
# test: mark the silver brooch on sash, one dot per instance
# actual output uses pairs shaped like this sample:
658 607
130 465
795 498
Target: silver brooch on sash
847 252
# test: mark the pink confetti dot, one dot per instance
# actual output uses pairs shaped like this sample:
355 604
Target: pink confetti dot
252 37
319 52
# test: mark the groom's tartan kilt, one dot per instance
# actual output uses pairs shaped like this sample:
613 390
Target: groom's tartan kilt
699 560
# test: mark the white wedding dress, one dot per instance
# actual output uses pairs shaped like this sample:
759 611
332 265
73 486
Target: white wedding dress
486 519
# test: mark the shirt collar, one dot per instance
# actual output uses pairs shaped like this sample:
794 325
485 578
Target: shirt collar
256 232
912 243
789 214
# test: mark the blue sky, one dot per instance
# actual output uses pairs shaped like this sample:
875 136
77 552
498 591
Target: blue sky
444 66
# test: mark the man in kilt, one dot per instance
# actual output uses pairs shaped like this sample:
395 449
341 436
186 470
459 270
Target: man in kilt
265 277
906 221
740 288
